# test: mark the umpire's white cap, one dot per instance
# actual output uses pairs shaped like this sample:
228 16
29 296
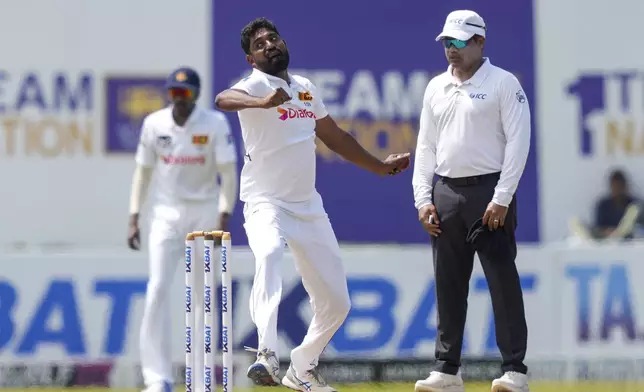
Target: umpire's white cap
463 25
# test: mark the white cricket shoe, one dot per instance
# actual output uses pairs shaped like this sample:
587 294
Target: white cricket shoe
265 371
440 382
161 386
511 382
311 381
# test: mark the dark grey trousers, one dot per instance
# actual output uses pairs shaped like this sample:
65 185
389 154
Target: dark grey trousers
459 203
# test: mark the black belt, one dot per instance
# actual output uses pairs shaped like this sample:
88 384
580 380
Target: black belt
473 180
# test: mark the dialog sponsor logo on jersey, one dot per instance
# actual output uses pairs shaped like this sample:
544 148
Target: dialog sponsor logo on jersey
610 112
183 159
128 101
47 114
291 113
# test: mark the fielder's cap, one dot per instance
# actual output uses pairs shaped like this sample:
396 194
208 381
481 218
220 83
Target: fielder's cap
475 230
463 25
184 77
489 242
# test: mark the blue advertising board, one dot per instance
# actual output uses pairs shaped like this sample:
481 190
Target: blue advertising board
372 61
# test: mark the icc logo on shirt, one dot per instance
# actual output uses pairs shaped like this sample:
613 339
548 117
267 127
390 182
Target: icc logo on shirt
290 113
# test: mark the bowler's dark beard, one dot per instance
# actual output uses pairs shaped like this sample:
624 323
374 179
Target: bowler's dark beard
273 67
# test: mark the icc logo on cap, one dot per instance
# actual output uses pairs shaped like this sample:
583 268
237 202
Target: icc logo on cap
181 77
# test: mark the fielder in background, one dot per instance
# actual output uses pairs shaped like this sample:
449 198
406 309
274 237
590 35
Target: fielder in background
188 145
280 115
475 135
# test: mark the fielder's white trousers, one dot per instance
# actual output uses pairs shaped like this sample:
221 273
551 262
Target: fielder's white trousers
168 229
306 229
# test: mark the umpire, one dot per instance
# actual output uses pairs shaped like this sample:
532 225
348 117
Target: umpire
475 136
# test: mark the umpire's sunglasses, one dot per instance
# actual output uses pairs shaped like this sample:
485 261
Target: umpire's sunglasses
457 43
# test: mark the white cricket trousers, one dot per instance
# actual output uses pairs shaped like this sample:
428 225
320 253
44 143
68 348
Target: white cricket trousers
306 229
168 229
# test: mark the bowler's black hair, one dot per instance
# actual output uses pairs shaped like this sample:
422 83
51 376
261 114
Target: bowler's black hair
251 29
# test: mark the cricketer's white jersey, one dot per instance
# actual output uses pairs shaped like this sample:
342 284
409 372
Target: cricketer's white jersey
280 142
186 158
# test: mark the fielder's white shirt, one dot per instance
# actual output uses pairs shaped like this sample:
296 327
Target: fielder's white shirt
280 156
480 126
186 158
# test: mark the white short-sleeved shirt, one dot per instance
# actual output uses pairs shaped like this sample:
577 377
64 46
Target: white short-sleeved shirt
280 157
186 158
476 127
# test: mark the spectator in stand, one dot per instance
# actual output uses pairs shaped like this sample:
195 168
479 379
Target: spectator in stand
611 209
